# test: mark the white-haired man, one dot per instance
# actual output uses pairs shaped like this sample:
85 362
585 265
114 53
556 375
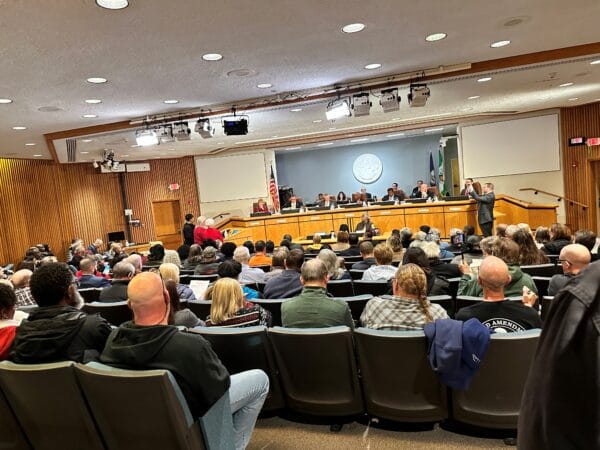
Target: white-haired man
249 274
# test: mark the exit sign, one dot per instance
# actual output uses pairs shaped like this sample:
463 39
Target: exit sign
174 187
592 141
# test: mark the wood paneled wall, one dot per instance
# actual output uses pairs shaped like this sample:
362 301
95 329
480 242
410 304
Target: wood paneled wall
578 164
44 202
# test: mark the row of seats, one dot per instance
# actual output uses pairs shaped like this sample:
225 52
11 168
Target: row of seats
68 406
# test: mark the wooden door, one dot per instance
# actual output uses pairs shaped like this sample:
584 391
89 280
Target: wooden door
456 187
167 223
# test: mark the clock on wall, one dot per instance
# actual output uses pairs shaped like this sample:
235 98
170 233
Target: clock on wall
367 168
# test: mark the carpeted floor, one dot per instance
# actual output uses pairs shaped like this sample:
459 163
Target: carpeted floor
276 433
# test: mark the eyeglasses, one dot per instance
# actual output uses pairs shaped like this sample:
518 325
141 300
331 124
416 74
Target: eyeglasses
565 261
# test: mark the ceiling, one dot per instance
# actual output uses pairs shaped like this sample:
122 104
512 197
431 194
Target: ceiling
150 53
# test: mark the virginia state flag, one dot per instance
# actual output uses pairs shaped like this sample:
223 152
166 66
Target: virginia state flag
433 178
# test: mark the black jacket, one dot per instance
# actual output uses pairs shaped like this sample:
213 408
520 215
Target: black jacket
353 250
115 293
364 264
445 270
58 333
188 233
560 409
285 285
189 357
554 247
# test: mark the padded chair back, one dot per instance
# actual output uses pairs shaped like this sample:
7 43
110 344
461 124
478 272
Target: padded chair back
186 272
348 264
115 313
90 295
542 270
445 301
494 397
27 309
546 305
48 404
210 278
340 288
199 307
397 381
453 286
265 268
357 304
374 288
542 283
11 435
261 287
241 349
272 305
318 370
144 409
462 301
353 259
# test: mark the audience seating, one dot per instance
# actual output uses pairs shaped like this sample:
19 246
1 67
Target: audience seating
553 258
356 274
396 263
374 288
48 405
396 378
318 370
445 301
90 295
357 304
453 286
494 397
186 272
546 304
542 283
27 309
265 268
463 301
11 435
127 404
115 313
273 306
261 287
353 259
241 349
199 307
340 288
185 279
542 270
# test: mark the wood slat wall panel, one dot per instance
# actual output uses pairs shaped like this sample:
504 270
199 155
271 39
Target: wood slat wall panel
578 172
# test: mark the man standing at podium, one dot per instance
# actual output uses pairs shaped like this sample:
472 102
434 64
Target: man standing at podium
485 207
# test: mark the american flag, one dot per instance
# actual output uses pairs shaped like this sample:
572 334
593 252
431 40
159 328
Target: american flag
273 192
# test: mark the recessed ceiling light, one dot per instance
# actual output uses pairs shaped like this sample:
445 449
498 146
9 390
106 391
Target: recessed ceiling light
373 66
323 144
275 136
436 37
89 116
93 101
264 85
317 121
85 153
171 102
30 144
473 97
499 44
5 101
566 84
296 110
134 146
86 140
395 135
484 79
293 148
468 108
124 156
433 130
332 128
359 139
19 128
220 143
597 61
353 27
212 57
37 156
97 80
573 99
113 4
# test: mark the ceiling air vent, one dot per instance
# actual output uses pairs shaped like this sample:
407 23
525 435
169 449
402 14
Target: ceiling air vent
71 150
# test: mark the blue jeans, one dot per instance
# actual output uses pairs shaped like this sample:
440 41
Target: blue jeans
247 394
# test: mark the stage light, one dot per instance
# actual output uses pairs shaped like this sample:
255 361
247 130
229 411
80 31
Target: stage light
235 125
183 133
418 95
146 137
204 128
337 109
166 136
96 165
389 100
361 105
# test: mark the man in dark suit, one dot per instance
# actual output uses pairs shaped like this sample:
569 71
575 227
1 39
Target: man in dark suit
416 192
188 230
467 188
485 207
88 279
294 202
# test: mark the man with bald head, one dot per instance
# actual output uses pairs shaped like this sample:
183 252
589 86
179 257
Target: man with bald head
573 259
495 311
20 281
313 308
148 342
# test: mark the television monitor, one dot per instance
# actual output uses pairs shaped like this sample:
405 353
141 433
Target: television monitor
116 236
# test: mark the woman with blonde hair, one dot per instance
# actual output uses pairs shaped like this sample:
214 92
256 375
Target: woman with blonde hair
169 271
229 307
408 308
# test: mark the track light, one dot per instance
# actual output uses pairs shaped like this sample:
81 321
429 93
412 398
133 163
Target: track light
166 136
361 105
204 128
146 137
389 100
96 165
183 132
337 109
418 95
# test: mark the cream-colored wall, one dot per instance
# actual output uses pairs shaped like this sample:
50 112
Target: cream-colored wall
239 207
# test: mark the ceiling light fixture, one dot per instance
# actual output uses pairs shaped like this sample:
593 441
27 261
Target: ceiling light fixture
373 66
212 57
89 116
436 37
433 130
323 144
37 156
473 97
573 99
566 85
184 132
353 28
145 138
30 144
296 110
166 135
593 63
93 101
171 102
19 128
361 104
395 135
5 101
359 139
96 80
85 153
499 44
317 121
484 79
204 128
418 95
86 140
113 4
389 100
264 85
336 109
293 148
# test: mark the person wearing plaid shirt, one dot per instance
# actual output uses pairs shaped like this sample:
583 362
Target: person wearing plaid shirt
20 281
408 308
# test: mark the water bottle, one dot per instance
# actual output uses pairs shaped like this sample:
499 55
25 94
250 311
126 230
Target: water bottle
332 234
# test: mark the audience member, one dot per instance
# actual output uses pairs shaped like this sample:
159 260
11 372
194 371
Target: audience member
589 240
278 263
178 315
230 309
171 257
199 230
210 232
408 308
260 258
439 268
78 254
529 253
468 230
288 283
560 236
435 285
20 281
208 262
250 246
368 258
342 242
434 236
184 252
188 229
94 248
156 255
395 243
116 253
353 249
149 343
10 319
313 308
330 260
495 311
248 274
383 269
501 229
123 272
227 250
136 261
232 269
542 236
269 247
57 330
316 245
573 259
194 258
470 252
88 279
169 271
406 235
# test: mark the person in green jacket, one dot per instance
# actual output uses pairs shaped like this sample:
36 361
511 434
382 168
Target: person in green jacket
313 308
508 251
